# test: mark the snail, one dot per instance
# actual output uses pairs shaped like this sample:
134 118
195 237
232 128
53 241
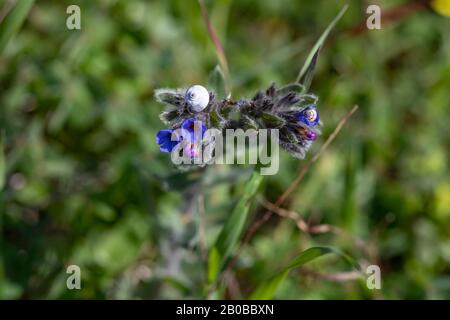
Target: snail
309 116
197 97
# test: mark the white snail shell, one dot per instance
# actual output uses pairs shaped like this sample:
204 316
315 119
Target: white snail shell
311 114
197 98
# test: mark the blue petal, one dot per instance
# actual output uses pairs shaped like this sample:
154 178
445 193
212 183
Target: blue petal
164 139
163 135
168 146
189 126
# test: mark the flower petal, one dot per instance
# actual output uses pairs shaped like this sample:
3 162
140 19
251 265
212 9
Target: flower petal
164 139
163 135
194 125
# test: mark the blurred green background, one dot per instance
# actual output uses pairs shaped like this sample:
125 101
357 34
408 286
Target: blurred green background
85 183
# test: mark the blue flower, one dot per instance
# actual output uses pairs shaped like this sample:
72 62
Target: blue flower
194 127
309 116
164 139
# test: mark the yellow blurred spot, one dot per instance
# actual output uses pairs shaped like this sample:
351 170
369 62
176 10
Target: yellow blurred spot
442 7
442 200
429 162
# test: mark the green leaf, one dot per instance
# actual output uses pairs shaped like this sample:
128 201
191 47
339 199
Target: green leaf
167 117
168 96
12 22
309 74
216 83
226 110
296 87
217 121
248 122
267 290
306 73
272 121
213 264
2 165
289 135
234 226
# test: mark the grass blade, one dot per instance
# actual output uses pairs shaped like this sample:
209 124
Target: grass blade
12 22
2 165
309 74
213 264
306 73
267 290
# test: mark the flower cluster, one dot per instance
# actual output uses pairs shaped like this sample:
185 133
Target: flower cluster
286 109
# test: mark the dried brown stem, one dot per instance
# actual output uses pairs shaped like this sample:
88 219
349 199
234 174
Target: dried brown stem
302 225
233 287
299 221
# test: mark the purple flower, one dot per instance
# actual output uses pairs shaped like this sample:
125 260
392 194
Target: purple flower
311 135
164 139
192 150
309 116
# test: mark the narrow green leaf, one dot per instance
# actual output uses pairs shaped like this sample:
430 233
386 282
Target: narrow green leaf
168 96
308 255
309 74
248 122
167 117
307 70
272 121
216 83
213 264
217 121
267 290
296 87
232 230
2 165
289 135
12 22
